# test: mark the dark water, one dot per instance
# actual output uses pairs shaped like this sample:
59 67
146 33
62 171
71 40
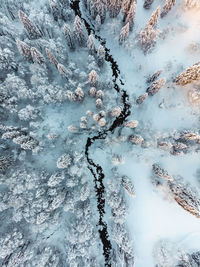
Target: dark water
95 168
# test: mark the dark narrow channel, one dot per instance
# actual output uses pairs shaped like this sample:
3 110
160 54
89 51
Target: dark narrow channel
96 169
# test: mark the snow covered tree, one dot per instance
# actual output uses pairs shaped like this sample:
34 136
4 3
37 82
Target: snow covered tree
91 45
64 161
190 75
131 124
128 185
98 22
55 179
148 38
114 7
154 18
125 7
97 7
101 55
147 4
167 7
24 49
179 149
28 113
79 94
37 56
7 62
191 4
131 15
54 8
79 31
92 91
5 163
51 57
69 36
102 122
63 71
136 139
28 25
156 86
93 78
26 142
100 94
99 103
161 173
152 78
115 112
124 33
149 35
186 196
190 136
194 97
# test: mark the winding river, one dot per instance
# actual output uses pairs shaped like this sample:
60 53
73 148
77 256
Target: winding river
95 168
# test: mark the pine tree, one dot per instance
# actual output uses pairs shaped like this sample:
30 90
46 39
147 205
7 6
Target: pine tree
114 7
161 173
186 196
5 163
125 7
98 22
128 186
24 49
69 36
152 78
189 75
97 7
154 18
91 45
63 71
79 94
28 25
51 57
141 98
167 7
37 56
64 161
147 4
54 8
93 78
192 3
101 55
99 103
124 33
156 86
149 35
148 38
131 124
79 31
131 15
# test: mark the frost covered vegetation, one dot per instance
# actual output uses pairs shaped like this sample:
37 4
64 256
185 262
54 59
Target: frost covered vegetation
99 133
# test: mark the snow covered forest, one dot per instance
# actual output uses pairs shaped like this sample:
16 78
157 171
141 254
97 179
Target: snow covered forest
100 133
